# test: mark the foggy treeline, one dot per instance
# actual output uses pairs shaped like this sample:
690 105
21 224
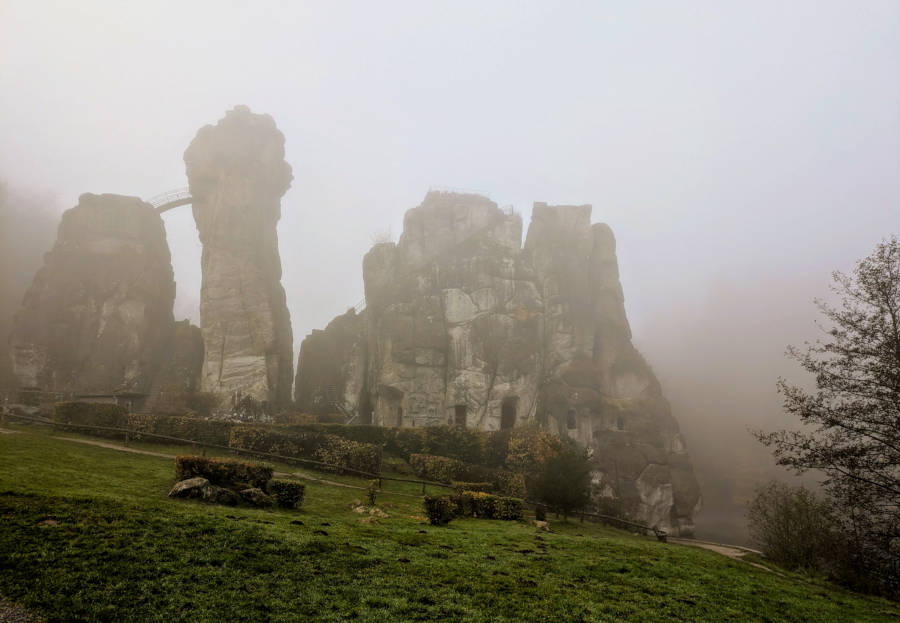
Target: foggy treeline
718 363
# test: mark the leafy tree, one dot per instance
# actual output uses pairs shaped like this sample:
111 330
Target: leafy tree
564 481
852 419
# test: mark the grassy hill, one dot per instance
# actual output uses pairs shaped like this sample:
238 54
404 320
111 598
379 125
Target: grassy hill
87 533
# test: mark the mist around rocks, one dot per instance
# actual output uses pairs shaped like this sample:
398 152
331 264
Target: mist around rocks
740 153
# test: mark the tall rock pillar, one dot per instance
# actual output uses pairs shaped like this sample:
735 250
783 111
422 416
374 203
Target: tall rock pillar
237 176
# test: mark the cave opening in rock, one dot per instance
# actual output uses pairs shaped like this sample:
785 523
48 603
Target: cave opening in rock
459 415
508 412
571 420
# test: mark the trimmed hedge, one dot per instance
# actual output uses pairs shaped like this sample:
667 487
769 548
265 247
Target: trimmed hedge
183 427
223 472
451 471
276 440
287 493
459 487
440 509
336 452
437 468
343 453
487 506
511 484
91 414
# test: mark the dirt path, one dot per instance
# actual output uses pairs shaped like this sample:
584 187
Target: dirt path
731 551
115 446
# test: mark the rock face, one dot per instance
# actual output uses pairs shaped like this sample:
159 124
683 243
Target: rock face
464 326
237 176
98 315
179 375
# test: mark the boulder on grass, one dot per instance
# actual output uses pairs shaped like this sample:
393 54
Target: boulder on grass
220 495
189 488
256 497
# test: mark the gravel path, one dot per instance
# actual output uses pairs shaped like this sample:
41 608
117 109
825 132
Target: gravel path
732 551
14 613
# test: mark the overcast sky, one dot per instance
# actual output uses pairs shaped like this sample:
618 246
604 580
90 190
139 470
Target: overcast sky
739 150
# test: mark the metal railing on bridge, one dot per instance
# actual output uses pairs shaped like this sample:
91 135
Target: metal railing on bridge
171 199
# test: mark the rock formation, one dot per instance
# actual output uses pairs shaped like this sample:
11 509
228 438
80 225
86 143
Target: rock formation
464 326
98 315
237 176
176 385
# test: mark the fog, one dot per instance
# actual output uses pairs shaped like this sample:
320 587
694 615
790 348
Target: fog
739 151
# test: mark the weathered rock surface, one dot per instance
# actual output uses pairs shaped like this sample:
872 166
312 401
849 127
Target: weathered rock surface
220 495
190 488
465 326
202 489
237 176
179 375
256 497
98 315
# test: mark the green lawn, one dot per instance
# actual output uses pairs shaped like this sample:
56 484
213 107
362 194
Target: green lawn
88 533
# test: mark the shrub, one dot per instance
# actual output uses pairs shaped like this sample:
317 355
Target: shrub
223 472
463 444
564 480
437 468
508 509
404 442
276 440
439 509
343 453
487 506
459 487
511 484
337 453
529 449
397 465
202 403
374 435
180 426
91 414
793 526
287 493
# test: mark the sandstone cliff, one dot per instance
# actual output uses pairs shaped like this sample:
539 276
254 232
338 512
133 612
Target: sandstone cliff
464 326
177 384
98 315
237 176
